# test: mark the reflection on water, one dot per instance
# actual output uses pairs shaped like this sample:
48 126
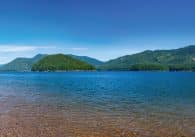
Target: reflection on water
98 104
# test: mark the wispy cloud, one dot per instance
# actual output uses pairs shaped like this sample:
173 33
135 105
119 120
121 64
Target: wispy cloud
79 49
26 48
16 48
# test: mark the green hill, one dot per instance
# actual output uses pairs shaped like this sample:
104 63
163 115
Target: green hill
88 60
21 64
176 59
60 62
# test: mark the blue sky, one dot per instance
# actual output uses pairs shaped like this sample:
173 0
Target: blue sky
103 29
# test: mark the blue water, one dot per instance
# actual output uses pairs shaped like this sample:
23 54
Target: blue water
149 95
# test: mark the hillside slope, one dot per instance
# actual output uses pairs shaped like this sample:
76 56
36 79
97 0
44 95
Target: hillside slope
89 60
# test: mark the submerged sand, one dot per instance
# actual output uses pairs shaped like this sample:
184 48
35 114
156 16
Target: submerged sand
19 118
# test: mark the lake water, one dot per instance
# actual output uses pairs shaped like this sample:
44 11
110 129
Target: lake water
97 104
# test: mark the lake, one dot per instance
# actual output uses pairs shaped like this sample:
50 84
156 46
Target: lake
97 104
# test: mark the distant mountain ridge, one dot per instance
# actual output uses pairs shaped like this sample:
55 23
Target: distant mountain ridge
176 59
88 60
22 64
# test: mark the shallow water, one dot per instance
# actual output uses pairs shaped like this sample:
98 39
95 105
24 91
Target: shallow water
97 104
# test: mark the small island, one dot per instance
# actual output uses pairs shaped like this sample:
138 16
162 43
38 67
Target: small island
60 62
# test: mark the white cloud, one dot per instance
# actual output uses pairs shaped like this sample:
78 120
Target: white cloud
26 48
16 48
3 60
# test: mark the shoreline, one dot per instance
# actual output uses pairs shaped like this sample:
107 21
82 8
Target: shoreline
100 71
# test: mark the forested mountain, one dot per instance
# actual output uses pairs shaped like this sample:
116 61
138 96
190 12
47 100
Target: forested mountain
176 59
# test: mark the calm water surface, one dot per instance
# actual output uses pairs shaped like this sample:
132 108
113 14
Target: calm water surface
139 101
